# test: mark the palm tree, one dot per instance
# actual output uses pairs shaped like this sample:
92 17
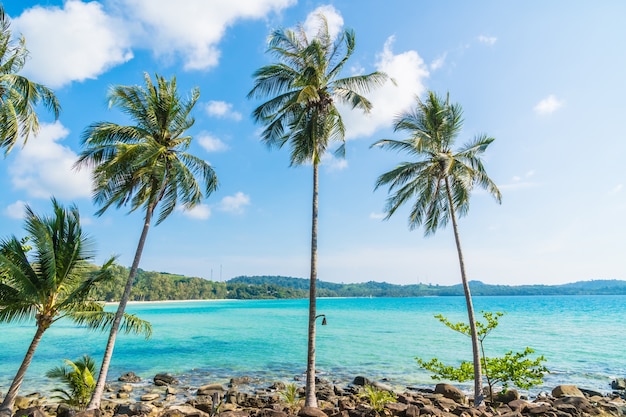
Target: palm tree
440 180
144 165
51 281
303 88
18 95
79 377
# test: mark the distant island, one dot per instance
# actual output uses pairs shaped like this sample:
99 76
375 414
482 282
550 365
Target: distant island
160 286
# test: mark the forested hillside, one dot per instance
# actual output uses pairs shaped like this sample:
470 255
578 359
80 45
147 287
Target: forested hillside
153 286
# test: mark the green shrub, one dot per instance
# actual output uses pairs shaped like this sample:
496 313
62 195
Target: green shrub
377 398
79 378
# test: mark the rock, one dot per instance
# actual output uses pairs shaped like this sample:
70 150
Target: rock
209 389
567 391
311 412
137 409
538 408
165 379
89 413
129 377
619 384
242 380
361 380
183 411
149 397
278 386
412 411
171 391
268 412
30 412
64 410
126 388
508 396
21 402
451 392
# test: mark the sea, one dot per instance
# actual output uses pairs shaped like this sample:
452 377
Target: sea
582 338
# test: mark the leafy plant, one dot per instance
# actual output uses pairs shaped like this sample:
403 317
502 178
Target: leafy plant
377 398
291 397
513 368
78 376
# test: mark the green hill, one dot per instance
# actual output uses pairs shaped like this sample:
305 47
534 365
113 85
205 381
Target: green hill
156 286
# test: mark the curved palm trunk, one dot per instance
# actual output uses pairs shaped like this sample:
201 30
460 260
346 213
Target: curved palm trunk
6 409
96 397
310 398
478 380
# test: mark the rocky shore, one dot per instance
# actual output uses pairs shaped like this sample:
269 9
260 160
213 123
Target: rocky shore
165 397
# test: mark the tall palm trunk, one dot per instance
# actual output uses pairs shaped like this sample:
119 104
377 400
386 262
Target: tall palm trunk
310 398
6 409
96 397
478 380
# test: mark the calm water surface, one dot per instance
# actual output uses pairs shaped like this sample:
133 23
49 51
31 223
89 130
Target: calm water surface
582 339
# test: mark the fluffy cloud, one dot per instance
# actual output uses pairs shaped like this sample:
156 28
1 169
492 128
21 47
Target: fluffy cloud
82 40
198 212
74 43
43 168
548 105
15 210
235 203
193 28
222 109
488 40
333 19
210 143
409 71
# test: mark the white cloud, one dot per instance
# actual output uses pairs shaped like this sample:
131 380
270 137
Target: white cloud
488 40
518 182
15 210
198 212
192 29
408 70
210 143
74 43
333 163
44 168
333 18
222 109
377 216
548 105
235 203
438 62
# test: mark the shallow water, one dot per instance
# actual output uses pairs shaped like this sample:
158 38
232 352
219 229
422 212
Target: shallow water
581 337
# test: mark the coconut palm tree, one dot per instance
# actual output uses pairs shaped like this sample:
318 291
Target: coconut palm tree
304 87
439 182
51 281
18 95
79 377
144 165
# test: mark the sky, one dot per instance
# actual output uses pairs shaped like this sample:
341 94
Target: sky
545 79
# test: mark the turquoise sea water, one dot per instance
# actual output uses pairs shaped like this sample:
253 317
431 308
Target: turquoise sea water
582 338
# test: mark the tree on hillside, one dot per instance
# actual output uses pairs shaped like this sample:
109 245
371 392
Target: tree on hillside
18 95
303 88
50 281
439 181
144 165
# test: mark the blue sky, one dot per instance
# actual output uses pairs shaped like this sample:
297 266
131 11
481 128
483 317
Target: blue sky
546 79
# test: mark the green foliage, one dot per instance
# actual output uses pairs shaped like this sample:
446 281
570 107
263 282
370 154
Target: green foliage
19 96
377 398
512 368
291 398
79 378
517 368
